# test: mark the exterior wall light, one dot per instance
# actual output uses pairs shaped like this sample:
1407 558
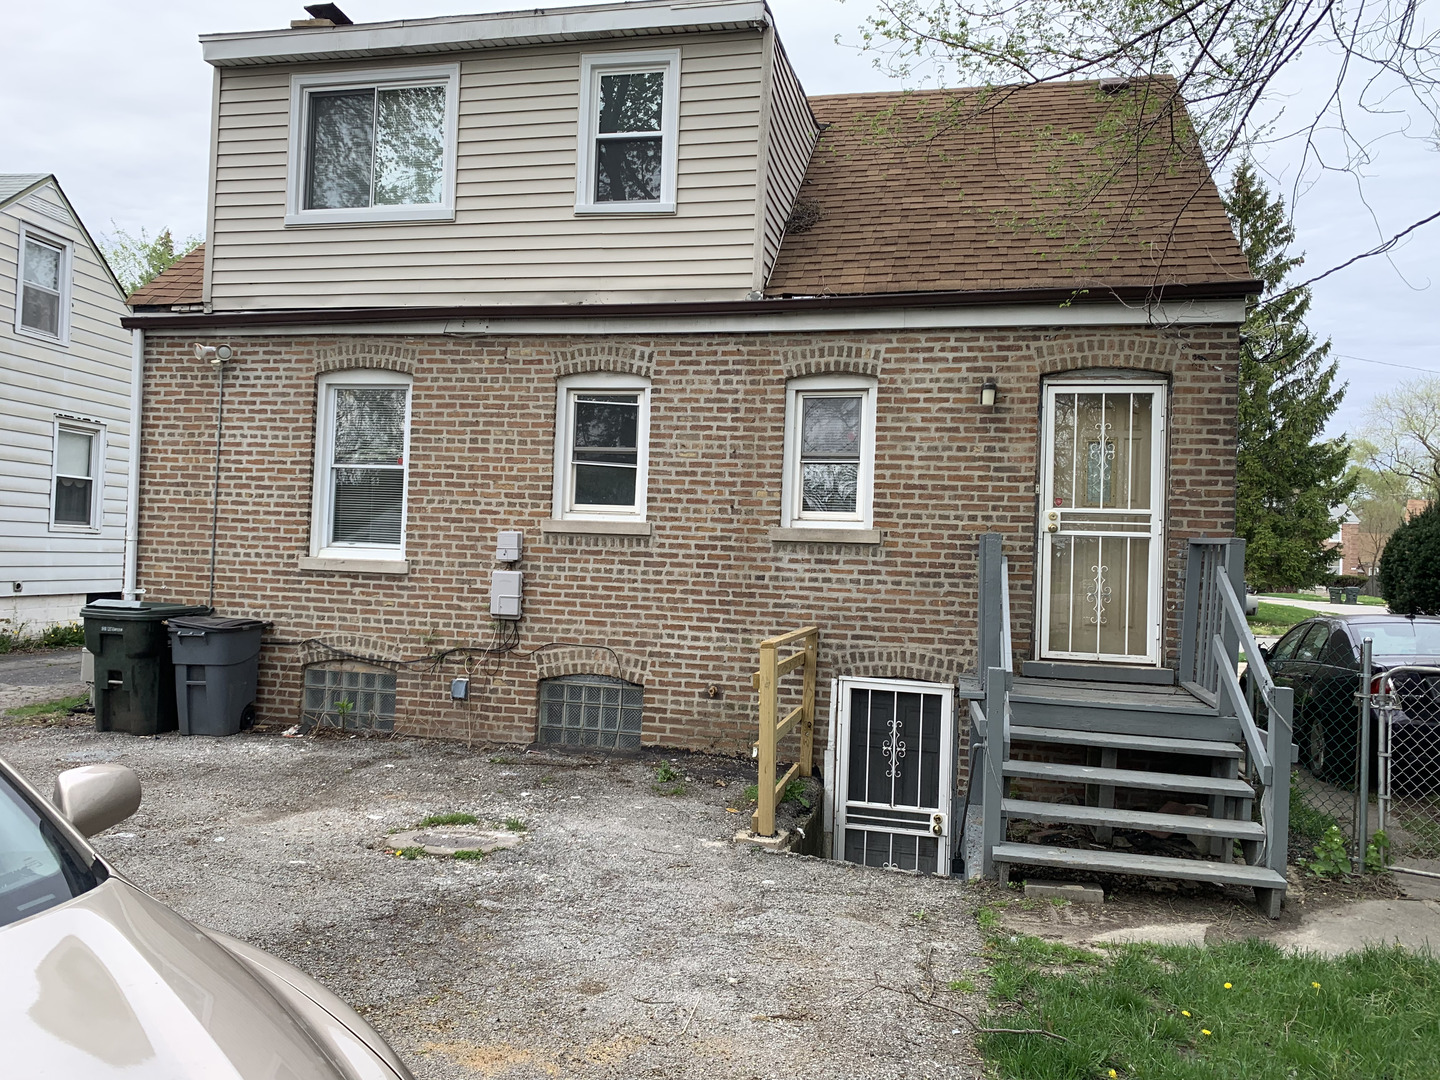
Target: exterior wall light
987 393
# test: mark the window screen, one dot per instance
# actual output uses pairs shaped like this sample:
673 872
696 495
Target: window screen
368 466
350 696
830 452
376 147
41 287
591 710
74 486
629 142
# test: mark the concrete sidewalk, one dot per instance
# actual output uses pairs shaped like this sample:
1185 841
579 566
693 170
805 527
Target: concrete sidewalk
1322 605
30 677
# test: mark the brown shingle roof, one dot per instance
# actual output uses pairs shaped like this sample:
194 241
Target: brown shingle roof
180 283
949 190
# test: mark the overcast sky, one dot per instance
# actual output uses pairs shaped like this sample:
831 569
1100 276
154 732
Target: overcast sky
114 99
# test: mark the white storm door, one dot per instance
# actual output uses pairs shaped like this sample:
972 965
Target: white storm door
895 774
1101 521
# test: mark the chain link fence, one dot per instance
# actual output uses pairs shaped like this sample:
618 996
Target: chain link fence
1406 708
1324 787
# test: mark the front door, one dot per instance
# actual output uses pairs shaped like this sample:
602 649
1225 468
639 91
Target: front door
894 774
1101 523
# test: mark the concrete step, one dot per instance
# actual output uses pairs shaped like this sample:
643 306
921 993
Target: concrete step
1129 778
1119 741
1120 862
1133 819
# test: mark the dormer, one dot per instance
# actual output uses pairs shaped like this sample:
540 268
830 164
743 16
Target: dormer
643 152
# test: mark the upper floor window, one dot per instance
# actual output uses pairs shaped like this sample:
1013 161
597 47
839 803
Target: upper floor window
829 451
42 294
629 119
373 145
360 469
76 465
602 434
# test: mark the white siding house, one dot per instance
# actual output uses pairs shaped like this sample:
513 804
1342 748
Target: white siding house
65 367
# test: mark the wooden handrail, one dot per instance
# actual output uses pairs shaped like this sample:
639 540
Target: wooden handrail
769 790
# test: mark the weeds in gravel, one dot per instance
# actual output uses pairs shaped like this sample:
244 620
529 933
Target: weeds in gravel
411 853
794 792
469 855
447 819
514 824
48 711
668 780
14 639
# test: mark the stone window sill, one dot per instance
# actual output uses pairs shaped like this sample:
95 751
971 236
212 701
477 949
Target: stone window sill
825 536
573 526
357 566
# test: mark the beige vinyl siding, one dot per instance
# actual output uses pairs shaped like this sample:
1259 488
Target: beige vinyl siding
88 378
793 135
516 238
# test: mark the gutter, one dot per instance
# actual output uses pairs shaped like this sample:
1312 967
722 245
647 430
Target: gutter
132 477
1135 295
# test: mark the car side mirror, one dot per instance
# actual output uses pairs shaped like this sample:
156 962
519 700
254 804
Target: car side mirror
95 797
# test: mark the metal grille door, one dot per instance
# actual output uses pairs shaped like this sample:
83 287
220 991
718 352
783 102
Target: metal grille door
895 774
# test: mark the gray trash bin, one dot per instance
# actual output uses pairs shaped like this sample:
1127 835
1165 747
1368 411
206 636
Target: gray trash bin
217 663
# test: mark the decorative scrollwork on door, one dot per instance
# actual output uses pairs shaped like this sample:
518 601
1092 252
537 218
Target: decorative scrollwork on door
893 749
1097 595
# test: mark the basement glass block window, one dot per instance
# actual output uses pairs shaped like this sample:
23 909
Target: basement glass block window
350 697
591 710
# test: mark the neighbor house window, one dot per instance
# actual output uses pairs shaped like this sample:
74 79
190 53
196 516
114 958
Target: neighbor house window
42 295
77 457
360 472
601 443
829 451
629 119
377 146
591 710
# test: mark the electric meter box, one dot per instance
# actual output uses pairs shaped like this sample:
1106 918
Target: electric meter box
507 545
506 588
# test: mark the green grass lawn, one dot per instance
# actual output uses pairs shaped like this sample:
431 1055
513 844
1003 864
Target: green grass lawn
1277 618
1219 1012
47 711
1374 600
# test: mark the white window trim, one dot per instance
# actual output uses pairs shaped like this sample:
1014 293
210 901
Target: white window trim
301 86
592 66
791 515
67 273
321 506
96 431
598 381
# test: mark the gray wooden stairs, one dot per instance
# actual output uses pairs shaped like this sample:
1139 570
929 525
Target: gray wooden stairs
1170 761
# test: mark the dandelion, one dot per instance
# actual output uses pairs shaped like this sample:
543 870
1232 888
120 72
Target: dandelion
1227 986
1204 1031
1184 1012
1112 1074
1315 985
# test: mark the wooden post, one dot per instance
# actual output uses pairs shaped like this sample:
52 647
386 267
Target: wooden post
807 723
1275 806
991 604
763 822
1235 571
996 753
1190 613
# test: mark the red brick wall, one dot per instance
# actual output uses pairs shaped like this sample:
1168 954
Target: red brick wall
684 608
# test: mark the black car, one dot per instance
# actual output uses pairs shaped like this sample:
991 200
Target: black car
1320 660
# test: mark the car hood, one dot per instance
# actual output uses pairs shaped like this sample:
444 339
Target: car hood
115 984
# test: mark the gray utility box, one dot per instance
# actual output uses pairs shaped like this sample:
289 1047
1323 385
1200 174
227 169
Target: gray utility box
217 668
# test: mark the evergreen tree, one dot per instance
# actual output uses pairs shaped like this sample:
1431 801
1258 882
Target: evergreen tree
1288 478
1410 565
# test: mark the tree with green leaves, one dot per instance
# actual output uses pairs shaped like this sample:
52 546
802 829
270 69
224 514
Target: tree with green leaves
1402 435
1288 478
137 260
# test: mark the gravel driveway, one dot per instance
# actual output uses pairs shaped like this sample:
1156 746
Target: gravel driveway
626 936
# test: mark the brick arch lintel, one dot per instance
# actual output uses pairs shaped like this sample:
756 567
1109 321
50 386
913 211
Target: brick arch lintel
831 359
895 662
592 660
1142 352
381 355
335 647
605 356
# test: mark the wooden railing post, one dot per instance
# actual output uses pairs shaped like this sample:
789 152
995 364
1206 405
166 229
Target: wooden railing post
1190 613
996 751
763 822
1275 807
807 702
992 604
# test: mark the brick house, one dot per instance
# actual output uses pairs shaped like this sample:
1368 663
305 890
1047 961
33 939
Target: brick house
730 361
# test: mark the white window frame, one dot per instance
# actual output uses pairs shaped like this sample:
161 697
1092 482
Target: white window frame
322 501
29 233
592 67
567 389
796 390
96 431
302 86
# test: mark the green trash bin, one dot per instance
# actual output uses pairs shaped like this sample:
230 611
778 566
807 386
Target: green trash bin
134 676
1337 594
1352 594
217 668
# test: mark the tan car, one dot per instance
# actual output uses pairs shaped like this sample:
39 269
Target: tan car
102 980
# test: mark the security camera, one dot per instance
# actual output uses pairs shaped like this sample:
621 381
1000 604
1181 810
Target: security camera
214 354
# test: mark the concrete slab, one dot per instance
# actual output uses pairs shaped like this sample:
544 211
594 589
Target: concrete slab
452 838
764 843
1064 890
1185 933
1413 924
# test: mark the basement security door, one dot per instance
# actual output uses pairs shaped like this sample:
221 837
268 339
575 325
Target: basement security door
894 773
1101 523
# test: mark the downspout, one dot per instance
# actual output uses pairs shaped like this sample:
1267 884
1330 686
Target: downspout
132 479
